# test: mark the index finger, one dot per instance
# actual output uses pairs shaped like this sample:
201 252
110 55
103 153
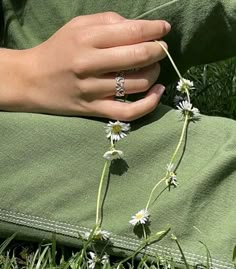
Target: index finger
127 32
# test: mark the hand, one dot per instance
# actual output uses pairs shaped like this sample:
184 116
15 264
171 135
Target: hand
73 72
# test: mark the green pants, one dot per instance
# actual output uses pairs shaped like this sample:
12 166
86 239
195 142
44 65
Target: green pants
50 165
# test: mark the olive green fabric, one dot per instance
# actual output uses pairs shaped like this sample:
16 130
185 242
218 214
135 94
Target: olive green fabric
50 165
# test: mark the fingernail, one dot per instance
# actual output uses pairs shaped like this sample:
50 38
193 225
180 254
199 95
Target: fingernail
167 26
164 44
161 88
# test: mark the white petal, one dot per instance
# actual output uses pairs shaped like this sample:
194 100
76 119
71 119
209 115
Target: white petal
133 221
92 255
169 167
92 265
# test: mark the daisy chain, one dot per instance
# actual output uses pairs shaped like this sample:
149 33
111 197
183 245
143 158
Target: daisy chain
140 218
117 130
184 84
186 108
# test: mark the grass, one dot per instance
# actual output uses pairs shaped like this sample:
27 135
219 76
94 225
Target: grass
18 254
215 94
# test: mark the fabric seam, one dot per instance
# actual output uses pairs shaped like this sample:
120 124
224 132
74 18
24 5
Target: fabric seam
118 241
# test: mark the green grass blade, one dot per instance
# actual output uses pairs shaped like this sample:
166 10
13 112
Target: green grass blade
209 258
234 255
6 243
32 263
181 251
41 258
54 250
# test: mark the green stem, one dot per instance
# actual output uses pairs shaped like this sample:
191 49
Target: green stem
180 140
182 253
144 232
143 245
98 217
175 67
188 95
154 188
155 9
171 60
112 143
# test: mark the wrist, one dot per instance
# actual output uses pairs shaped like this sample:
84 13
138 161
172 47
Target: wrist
15 79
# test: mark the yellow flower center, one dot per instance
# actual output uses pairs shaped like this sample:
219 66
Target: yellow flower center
116 129
138 216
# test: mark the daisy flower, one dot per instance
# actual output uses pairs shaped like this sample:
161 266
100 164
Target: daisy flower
105 259
96 260
117 130
140 218
98 235
101 235
113 154
172 180
184 84
93 260
187 108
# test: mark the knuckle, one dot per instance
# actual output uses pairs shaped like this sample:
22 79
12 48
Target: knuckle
80 67
145 84
136 31
111 17
86 34
142 54
82 91
142 85
74 22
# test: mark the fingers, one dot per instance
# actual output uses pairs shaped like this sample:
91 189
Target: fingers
135 82
127 111
127 32
124 58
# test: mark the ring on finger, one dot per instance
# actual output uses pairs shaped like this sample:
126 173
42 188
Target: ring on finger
120 84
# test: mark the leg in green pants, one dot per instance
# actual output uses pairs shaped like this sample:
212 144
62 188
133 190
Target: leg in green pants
50 166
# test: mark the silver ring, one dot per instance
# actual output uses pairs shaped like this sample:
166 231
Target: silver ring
120 84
